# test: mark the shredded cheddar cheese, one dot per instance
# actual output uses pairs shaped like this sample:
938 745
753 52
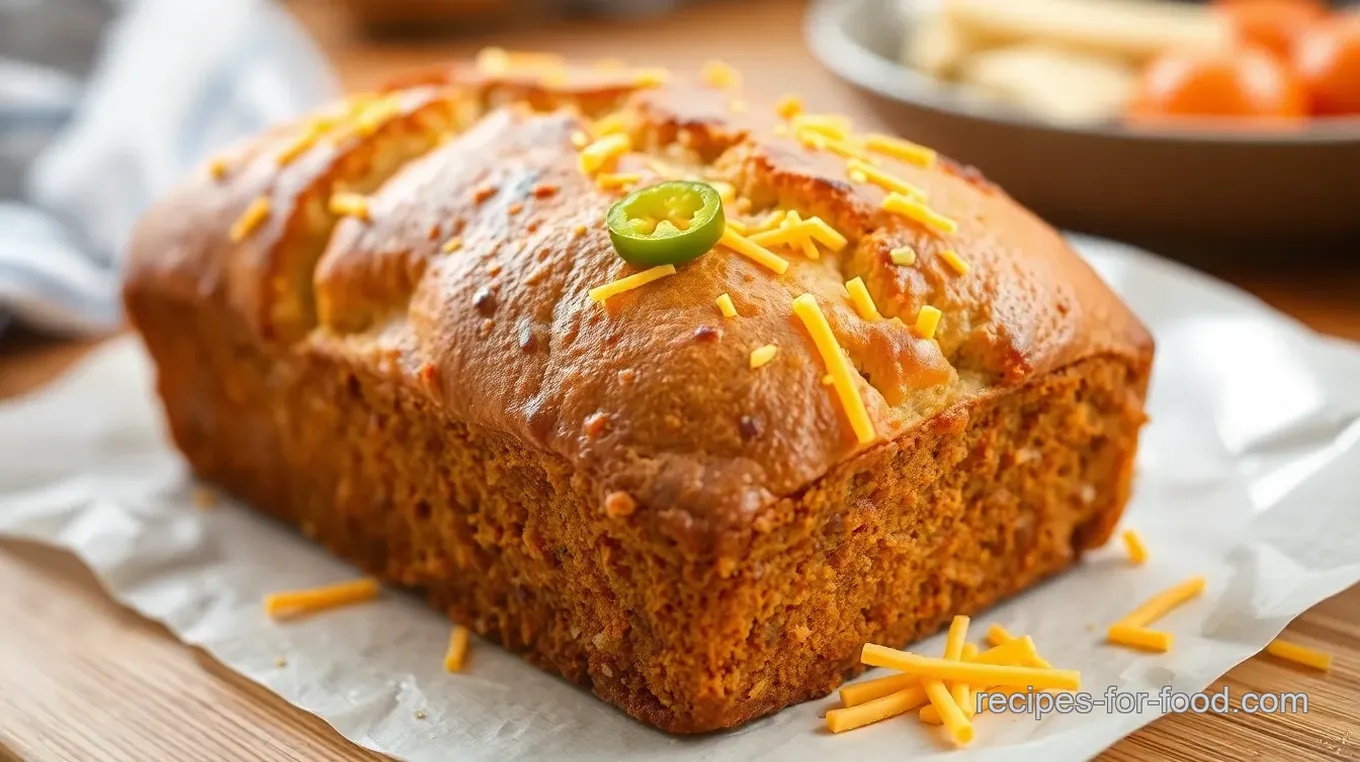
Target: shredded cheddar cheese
859 296
1162 603
374 117
955 262
609 125
832 126
651 77
297 602
458 646
310 134
863 172
617 180
1138 554
821 142
915 210
602 151
726 307
1016 652
876 710
453 244
774 220
1140 637
753 251
953 650
250 219
349 205
492 61
998 637
904 255
762 355
960 729
721 75
789 106
726 191
807 310
797 236
927 322
828 380
1308 657
970 672
601 293
898 148
796 228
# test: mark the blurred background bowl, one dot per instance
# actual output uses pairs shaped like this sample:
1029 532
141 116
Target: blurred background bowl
1190 193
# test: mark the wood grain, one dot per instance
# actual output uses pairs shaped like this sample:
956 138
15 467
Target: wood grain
83 679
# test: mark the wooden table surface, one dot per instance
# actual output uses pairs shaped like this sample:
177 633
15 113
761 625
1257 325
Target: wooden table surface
83 679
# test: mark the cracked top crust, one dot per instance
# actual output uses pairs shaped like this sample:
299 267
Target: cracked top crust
466 280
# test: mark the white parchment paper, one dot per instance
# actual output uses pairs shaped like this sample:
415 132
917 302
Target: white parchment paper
1249 474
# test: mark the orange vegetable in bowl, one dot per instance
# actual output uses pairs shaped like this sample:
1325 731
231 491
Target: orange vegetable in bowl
1273 24
1327 59
1245 84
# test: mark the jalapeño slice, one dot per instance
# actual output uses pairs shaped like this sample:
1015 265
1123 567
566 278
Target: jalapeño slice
667 223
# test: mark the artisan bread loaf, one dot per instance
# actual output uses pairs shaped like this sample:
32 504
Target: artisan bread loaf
376 325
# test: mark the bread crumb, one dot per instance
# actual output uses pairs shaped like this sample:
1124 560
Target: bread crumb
579 230
1088 494
420 714
619 504
801 632
606 671
280 662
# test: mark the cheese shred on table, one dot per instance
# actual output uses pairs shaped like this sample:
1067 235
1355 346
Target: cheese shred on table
970 672
296 602
458 646
1138 554
1308 657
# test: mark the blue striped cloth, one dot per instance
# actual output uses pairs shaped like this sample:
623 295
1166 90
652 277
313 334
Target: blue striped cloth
104 104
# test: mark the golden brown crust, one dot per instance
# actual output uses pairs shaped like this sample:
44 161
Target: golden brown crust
503 328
